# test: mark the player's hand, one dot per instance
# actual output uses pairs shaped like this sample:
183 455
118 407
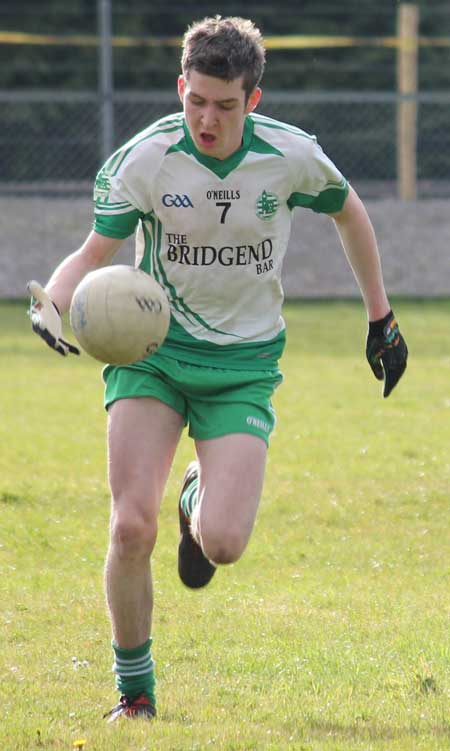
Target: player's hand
386 351
46 321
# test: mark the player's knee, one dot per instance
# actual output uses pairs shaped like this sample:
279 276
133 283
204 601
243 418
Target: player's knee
133 534
222 547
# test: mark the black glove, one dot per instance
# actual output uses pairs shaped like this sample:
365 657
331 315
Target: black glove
386 351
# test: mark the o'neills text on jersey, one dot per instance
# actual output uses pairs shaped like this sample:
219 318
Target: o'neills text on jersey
223 195
227 255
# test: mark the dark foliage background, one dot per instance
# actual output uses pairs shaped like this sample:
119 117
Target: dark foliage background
75 67
50 113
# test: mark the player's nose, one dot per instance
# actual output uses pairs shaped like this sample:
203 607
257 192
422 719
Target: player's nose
209 117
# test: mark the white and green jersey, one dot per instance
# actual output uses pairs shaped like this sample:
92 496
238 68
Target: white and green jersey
214 233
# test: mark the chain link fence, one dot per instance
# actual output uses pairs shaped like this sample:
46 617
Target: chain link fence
51 148
50 142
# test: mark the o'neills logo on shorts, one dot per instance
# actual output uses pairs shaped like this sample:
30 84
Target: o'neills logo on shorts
258 423
228 255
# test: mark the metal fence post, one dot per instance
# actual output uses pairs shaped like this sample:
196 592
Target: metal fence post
105 78
407 74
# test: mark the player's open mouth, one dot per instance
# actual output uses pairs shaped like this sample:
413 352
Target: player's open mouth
207 139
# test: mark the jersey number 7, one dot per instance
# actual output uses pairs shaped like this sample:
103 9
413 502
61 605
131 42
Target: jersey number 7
226 205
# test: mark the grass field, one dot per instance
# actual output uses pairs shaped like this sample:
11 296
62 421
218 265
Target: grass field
330 634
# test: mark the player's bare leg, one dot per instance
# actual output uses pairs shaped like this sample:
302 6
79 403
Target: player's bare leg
142 437
227 493
230 485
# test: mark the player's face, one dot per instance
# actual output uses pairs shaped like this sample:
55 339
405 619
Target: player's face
215 112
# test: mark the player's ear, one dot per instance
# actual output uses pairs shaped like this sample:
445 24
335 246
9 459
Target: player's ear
181 87
253 100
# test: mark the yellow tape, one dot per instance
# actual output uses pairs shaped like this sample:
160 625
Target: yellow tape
434 41
314 42
85 40
295 41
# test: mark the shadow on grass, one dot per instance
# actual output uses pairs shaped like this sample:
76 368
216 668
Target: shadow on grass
10 498
362 730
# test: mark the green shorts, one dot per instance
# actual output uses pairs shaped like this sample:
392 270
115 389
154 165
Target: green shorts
213 401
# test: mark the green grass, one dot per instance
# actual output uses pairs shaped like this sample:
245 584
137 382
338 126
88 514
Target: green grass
330 634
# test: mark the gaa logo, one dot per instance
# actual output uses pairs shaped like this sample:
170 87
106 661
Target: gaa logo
267 205
179 202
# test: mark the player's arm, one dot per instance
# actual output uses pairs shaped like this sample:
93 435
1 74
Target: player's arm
386 349
359 242
96 251
47 305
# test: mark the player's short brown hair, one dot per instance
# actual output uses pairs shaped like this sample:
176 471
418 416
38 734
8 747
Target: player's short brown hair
225 48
